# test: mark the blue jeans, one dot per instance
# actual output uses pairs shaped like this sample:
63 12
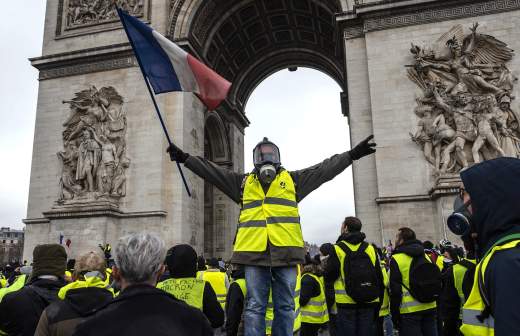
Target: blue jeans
418 324
355 321
258 281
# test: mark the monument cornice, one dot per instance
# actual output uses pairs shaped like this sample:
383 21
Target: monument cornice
78 62
403 199
383 15
60 214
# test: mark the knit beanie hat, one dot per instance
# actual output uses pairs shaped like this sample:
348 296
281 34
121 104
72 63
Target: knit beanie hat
49 259
182 261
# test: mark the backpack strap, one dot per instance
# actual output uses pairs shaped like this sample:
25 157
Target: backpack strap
468 264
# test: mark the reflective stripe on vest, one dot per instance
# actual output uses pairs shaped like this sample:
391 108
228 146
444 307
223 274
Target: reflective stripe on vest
315 311
408 303
273 217
339 285
269 312
217 280
459 271
189 290
471 325
385 307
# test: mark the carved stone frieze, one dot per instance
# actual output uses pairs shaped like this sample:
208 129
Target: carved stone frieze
93 161
465 114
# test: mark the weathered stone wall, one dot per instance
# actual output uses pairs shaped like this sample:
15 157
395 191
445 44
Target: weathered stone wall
382 98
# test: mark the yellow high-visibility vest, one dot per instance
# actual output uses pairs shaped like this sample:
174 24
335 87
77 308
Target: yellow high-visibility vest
89 282
385 306
440 262
269 313
18 284
273 217
315 311
242 284
189 290
408 303
217 280
471 325
459 271
339 285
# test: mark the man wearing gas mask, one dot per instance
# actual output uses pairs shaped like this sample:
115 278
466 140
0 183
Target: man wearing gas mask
487 217
268 240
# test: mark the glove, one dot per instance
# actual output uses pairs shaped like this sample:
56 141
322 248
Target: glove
176 154
363 148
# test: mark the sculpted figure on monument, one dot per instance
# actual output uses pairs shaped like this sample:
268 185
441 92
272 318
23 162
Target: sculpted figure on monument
87 12
94 161
464 75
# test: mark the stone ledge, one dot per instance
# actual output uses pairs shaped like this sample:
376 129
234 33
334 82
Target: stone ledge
36 220
93 212
445 184
403 199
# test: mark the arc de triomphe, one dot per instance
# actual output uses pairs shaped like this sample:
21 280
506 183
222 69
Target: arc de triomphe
99 168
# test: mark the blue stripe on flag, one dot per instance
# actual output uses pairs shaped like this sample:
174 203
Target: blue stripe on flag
153 60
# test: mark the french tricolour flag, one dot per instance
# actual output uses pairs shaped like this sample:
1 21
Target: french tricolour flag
169 68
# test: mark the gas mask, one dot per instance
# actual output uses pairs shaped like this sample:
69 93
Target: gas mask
459 222
266 158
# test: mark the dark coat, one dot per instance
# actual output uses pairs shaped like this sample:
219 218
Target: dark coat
145 310
20 311
62 316
494 188
306 180
235 302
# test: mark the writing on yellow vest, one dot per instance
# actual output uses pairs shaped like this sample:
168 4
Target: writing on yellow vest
315 311
409 304
218 282
273 217
472 322
189 290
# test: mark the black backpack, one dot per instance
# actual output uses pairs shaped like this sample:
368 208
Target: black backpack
425 280
467 281
361 280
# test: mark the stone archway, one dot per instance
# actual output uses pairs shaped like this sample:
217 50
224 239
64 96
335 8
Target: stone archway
246 41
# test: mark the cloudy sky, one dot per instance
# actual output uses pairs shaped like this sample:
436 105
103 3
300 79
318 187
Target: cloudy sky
299 111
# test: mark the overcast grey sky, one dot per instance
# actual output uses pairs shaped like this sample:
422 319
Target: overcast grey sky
300 111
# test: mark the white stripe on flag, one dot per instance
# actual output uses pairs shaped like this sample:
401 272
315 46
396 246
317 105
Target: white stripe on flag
179 59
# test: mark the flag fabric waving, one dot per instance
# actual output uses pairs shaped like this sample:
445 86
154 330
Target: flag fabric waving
169 68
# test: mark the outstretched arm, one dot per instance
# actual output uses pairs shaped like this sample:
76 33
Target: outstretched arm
311 178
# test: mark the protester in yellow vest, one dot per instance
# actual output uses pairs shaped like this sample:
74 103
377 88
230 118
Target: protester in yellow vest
269 240
181 261
384 322
86 292
315 315
218 280
354 267
487 217
409 315
235 302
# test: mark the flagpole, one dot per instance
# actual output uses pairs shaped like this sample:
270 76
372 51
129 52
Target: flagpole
154 102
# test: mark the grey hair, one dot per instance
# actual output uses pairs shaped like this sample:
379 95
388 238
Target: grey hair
139 256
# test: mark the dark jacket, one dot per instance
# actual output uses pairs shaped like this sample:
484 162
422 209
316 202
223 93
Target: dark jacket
333 269
494 187
62 316
145 310
412 248
235 301
20 311
306 180
450 303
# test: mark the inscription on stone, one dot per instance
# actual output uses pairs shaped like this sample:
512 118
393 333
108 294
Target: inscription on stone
93 162
464 110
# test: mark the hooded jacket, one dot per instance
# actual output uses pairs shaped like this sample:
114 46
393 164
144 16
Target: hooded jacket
494 188
20 311
412 248
62 316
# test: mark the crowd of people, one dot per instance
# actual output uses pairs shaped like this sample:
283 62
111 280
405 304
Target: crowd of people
270 286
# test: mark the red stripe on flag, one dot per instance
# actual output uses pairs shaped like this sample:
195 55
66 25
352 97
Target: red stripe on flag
213 88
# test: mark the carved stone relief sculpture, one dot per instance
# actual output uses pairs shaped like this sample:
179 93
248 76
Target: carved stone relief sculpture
464 111
87 12
93 161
